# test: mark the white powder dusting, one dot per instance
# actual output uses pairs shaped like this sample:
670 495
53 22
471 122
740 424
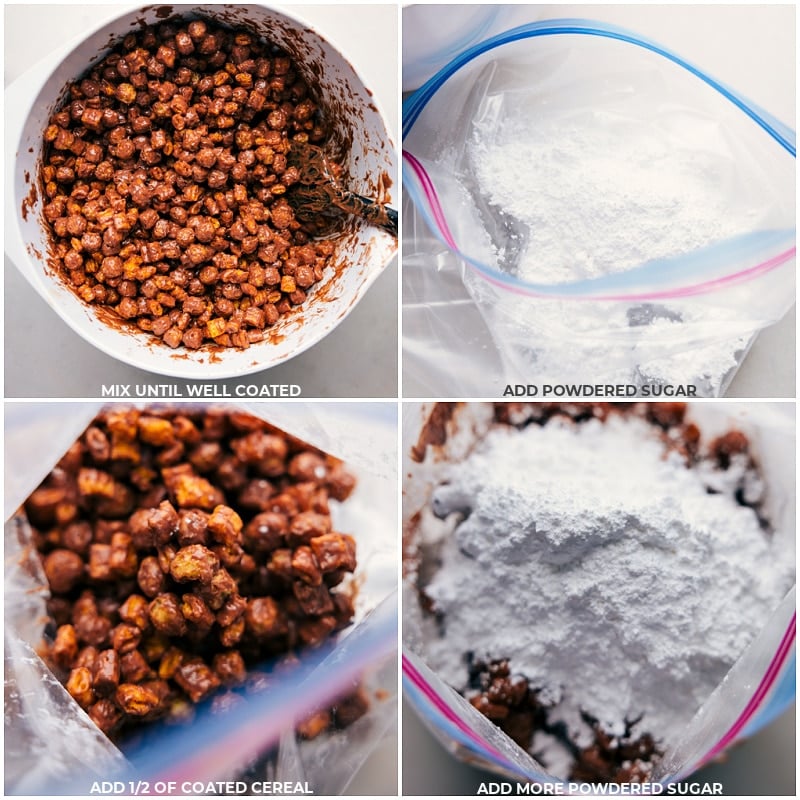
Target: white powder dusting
596 195
555 340
604 571
601 198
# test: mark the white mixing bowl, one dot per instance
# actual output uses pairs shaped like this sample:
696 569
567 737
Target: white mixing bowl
362 252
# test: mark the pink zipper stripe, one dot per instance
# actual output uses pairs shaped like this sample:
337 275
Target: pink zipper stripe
750 272
445 710
438 213
433 199
763 689
767 682
688 291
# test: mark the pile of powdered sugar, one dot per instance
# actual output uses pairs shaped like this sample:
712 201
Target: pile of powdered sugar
600 198
600 565
591 197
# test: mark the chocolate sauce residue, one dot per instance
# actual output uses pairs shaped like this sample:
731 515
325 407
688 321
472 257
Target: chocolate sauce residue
410 557
30 199
434 431
320 195
161 12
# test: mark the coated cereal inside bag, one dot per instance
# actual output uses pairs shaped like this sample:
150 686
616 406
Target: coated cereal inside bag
183 549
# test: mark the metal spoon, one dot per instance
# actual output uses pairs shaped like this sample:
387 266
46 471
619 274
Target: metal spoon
319 192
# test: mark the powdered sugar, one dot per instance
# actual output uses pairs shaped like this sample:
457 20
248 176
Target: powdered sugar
599 197
556 341
603 570
567 196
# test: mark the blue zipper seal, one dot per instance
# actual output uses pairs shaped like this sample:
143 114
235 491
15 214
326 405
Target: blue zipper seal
413 107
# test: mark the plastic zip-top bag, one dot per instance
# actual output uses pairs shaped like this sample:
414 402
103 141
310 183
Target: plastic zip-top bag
53 747
618 214
433 35
748 690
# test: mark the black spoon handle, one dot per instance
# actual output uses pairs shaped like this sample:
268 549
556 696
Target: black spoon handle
383 216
